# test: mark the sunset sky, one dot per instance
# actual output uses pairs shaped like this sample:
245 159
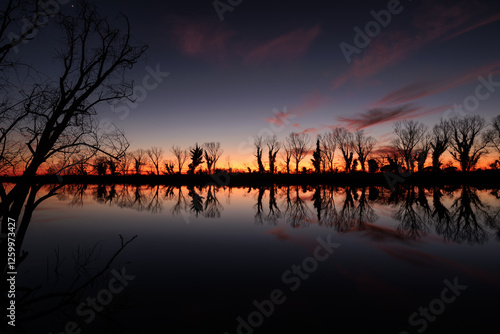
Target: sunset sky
226 77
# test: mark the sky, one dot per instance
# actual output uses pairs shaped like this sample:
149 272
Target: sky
261 67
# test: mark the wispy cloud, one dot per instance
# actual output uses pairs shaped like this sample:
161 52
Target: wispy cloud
433 23
419 90
201 38
290 46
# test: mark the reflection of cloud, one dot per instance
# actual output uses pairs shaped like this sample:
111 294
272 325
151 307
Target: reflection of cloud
289 46
433 22
280 233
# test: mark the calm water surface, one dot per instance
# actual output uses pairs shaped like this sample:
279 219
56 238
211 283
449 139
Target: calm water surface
209 260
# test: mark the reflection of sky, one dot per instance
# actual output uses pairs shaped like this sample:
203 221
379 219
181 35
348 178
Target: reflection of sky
212 269
226 78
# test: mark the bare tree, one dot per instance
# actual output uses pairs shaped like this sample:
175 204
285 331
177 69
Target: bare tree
212 154
440 140
409 134
299 142
124 164
363 146
346 145
155 155
57 117
286 155
273 147
181 156
258 142
328 147
494 134
466 146
139 157
423 149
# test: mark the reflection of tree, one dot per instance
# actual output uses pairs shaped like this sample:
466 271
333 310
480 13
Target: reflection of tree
466 210
212 205
196 201
258 215
298 212
155 204
180 204
364 213
412 225
274 212
36 302
78 194
330 213
441 215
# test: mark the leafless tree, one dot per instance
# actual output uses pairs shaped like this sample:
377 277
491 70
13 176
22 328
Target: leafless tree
57 117
440 141
273 147
363 146
328 147
299 143
139 157
181 156
286 155
258 142
345 142
212 153
155 155
423 149
494 134
124 163
466 145
409 133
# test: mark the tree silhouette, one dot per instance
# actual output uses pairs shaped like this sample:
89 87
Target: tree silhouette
466 146
345 143
196 158
363 146
439 143
287 155
181 156
328 147
154 154
258 143
409 134
299 144
212 154
316 159
139 157
273 147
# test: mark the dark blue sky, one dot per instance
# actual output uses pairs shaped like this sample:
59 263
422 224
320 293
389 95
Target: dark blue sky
226 77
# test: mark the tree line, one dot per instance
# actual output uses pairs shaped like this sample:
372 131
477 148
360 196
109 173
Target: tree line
467 139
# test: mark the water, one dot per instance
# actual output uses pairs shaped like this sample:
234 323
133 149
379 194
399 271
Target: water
262 260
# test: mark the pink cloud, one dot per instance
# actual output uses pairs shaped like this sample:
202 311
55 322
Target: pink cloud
434 23
416 91
201 38
289 46
376 116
